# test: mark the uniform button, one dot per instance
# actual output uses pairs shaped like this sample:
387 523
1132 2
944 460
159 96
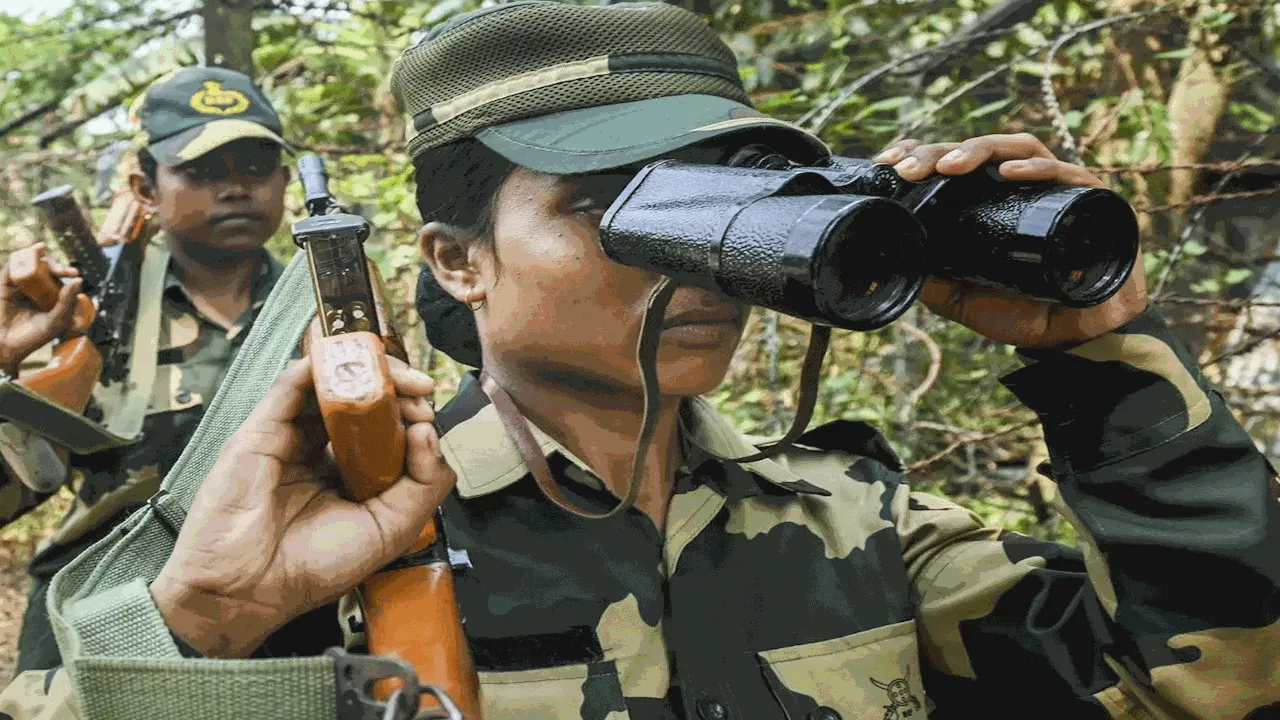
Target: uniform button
712 710
823 713
183 396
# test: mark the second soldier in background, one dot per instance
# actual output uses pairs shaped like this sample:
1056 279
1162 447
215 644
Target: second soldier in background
210 171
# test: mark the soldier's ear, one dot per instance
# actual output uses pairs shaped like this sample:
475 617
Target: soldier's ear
144 191
448 252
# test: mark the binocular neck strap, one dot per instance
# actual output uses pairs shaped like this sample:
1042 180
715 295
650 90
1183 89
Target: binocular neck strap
819 339
647 358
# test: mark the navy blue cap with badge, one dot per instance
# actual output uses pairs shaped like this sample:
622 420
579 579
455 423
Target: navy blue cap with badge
194 110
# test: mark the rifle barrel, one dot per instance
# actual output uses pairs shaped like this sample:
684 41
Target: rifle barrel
315 184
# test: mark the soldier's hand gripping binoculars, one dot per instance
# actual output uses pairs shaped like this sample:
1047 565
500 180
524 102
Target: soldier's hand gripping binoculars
849 244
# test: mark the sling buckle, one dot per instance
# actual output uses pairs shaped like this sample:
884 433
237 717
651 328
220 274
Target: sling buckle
354 676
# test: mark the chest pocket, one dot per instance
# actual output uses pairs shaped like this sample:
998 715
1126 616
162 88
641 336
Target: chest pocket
591 692
871 674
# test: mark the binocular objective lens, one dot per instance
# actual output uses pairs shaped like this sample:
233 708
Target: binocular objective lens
870 268
1094 249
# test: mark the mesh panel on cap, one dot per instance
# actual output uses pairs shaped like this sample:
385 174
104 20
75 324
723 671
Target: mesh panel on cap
497 45
587 92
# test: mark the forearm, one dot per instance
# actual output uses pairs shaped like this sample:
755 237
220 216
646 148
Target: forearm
1181 508
1148 454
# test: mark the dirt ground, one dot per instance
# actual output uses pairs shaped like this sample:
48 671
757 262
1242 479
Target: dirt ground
17 542
13 602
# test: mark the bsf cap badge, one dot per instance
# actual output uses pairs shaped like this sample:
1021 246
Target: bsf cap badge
213 99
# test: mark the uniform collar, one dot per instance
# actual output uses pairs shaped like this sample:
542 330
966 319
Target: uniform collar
266 272
475 444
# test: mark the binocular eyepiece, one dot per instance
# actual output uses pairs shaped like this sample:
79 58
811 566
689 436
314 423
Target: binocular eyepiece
849 244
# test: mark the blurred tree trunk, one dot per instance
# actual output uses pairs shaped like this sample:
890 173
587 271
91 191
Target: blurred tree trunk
229 39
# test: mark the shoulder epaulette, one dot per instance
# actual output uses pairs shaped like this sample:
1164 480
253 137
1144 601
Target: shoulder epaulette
854 437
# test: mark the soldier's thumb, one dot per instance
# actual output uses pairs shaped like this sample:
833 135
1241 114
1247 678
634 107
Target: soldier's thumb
59 316
405 507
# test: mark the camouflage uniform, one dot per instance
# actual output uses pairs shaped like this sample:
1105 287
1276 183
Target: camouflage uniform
821 587
194 355
817 586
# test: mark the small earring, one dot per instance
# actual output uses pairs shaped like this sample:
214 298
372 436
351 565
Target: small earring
472 304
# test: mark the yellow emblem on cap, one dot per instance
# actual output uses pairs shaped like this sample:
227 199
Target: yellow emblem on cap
214 100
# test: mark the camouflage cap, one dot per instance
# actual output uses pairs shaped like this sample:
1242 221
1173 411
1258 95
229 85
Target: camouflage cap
564 88
193 110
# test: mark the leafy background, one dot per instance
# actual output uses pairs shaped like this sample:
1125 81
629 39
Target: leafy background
1174 103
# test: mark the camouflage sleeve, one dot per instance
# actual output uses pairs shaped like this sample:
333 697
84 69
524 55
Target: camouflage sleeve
40 695
1171 607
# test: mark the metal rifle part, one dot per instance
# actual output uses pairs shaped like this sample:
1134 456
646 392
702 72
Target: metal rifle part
110 276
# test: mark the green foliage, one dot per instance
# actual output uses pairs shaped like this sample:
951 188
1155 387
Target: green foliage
861 74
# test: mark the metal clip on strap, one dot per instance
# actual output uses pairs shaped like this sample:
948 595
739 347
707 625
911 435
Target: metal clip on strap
354 676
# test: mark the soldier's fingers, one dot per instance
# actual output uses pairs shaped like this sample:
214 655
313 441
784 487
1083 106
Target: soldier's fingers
920 162
423 460
409 382
1052 170
896 151
972 153
8 291
406 506
59 316
63 270
417 410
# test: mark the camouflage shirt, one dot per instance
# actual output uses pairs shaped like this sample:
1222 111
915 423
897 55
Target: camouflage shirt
821 587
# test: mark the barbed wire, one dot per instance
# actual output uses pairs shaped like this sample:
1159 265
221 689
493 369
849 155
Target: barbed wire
1230 303
1194 223
818 116
63 31
961 92
1222 166
1059 119
1200 200
970 440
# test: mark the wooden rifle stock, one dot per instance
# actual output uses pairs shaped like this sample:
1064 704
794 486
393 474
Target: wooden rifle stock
410 608
126 221
71 375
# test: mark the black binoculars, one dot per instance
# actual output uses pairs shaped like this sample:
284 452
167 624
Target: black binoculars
849 244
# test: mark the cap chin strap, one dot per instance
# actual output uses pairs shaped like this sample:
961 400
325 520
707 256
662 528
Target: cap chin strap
647 358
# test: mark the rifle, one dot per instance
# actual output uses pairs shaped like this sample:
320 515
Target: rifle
96 346
410 608
90 350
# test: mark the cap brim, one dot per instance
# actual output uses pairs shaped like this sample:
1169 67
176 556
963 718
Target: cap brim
191 144
611 136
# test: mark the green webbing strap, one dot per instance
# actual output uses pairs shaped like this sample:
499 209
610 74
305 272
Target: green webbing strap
127 420
114 643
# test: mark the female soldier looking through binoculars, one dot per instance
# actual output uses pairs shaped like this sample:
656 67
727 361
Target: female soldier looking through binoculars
814 585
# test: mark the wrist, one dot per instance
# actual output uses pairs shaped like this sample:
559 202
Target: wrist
212 624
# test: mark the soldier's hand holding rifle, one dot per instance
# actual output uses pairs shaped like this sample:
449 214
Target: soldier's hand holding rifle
24 328
268 536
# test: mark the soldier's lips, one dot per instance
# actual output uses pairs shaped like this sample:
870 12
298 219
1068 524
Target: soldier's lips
243 218
703 329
